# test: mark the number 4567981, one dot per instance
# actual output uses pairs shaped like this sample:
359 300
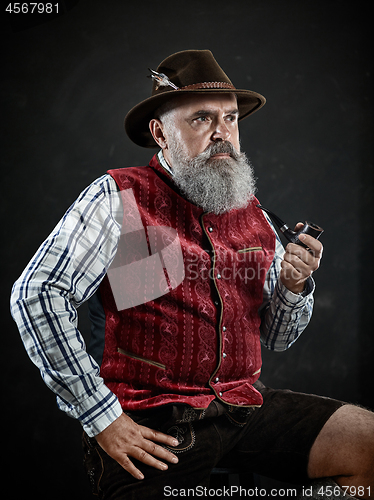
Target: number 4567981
32 8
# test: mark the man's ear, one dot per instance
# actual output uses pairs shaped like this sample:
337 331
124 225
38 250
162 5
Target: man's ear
157 131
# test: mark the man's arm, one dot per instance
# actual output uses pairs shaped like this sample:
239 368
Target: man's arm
288 293
66 270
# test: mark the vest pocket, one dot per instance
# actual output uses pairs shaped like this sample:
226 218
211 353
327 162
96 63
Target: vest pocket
140 358
250 249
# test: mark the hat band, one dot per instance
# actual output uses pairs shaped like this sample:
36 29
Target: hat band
209 85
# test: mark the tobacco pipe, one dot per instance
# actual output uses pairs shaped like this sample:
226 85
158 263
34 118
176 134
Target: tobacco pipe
293 236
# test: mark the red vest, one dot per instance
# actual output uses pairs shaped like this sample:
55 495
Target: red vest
201 339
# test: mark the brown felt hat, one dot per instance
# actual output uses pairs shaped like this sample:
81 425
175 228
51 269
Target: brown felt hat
186 72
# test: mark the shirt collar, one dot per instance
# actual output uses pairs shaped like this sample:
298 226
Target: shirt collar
164 163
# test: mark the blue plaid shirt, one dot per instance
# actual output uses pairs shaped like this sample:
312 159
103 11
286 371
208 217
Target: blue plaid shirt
67 270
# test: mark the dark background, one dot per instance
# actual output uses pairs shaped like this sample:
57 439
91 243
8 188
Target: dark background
67 84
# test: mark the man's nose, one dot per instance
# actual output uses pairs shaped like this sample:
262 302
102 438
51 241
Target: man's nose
221 131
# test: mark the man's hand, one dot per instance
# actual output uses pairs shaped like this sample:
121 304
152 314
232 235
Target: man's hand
124 438
299 263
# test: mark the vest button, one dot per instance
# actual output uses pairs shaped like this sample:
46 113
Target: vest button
220 393
224 328
210 229
219 276
216 379
224 355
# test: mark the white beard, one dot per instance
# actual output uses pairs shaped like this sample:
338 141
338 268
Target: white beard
217 185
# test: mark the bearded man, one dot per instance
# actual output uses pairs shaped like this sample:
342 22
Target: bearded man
185 279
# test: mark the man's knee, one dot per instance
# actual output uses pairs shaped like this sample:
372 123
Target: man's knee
345 445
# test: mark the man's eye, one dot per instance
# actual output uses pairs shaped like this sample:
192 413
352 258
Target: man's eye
202 118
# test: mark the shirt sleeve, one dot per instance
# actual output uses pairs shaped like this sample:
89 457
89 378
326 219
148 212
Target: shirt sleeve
284 314
65 271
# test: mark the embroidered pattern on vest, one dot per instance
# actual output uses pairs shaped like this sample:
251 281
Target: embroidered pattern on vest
200 340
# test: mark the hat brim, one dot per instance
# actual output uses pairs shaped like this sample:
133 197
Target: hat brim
138 118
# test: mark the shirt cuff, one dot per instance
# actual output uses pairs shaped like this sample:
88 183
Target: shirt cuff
97 412
289 298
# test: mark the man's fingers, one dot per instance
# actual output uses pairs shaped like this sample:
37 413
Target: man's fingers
151 437
290 267
154 450
157 436
146 454
147 459
301 260
312 243
124 439
296 254
315 246
299 263
126 463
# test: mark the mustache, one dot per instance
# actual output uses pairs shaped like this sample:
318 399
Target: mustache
219 147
